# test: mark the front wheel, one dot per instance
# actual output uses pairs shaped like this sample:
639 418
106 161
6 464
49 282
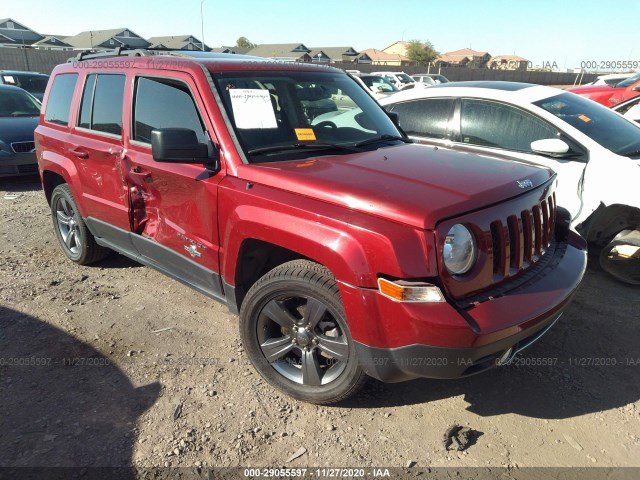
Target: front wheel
294 329
621 257
77 243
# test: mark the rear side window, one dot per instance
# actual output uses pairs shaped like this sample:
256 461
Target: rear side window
101 107
425 118
164 103
59 102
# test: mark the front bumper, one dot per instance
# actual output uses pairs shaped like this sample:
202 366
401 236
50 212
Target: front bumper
18 164
447 341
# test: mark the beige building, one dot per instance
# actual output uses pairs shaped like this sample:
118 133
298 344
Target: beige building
378 57
508 62
397 48
463 58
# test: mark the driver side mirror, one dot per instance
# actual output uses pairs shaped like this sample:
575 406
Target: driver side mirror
181 145
550 146
395 118
636 88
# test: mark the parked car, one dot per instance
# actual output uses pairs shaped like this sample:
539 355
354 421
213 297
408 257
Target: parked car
430 78
611 79
32 82
610 96
629 108
19 113
399 79
380 86
594 151
345 251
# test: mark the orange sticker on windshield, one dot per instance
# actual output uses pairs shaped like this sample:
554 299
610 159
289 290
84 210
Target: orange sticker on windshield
584 118
305 134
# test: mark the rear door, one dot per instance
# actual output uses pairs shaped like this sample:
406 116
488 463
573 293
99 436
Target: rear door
97 149
174 205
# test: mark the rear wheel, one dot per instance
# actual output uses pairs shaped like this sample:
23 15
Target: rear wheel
294 329
77 243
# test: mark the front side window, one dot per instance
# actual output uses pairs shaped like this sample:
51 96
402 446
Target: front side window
59 102
494 124
425 118
101 107
164 103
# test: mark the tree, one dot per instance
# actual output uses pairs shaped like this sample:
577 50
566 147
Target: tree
421 52
243 42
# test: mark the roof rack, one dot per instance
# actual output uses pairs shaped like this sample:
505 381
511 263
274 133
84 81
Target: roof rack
117 52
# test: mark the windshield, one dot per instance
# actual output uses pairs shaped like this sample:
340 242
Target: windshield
16 103
379 84
286 115
404 78
596 121
31 83
629 81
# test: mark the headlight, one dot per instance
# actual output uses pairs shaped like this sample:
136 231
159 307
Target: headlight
459 250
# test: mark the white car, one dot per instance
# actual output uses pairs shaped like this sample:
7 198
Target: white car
399 79
611 79
595 151
629 108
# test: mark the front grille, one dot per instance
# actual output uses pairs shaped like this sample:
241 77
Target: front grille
23 147
512 238
520 240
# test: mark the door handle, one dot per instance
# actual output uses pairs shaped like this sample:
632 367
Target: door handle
79 153
141 172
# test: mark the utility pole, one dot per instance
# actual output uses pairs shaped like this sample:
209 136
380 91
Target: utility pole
202 22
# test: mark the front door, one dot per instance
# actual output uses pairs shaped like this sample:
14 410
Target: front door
174 206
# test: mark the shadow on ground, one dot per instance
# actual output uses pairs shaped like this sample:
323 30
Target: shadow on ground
592 357
63 404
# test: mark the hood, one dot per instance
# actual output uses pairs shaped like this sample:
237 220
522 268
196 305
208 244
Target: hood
17 129
413 184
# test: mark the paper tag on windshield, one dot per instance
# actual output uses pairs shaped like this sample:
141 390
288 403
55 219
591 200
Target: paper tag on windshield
252 108
584 118
9 79
305 134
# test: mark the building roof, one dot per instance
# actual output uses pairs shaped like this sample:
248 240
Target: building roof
399 42
94 38
19 33
380 56
53 40
458 56
508 58
279 50
335 52
176 41
227 49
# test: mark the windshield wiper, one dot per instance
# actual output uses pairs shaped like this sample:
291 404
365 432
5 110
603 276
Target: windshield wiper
632 153
382 138
303 146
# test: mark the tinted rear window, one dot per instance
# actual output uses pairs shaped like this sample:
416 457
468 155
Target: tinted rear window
101 108
59 103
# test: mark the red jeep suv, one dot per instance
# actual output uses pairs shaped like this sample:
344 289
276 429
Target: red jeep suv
346 250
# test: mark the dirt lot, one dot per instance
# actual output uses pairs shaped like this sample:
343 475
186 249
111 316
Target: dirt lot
115 364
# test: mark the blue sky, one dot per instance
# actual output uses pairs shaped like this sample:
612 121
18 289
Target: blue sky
564 32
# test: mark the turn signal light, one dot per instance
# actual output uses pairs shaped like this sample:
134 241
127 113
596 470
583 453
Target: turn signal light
404 291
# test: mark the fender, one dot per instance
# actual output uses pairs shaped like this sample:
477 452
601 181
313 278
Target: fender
62 166
356 247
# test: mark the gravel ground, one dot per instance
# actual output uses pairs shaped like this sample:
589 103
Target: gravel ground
115 365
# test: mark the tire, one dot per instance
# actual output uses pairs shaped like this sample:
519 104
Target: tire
77 243
295 331
625 269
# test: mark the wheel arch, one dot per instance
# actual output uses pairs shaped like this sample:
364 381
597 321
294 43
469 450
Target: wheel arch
607 220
